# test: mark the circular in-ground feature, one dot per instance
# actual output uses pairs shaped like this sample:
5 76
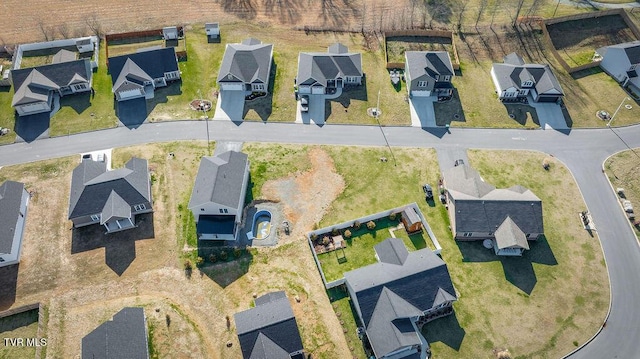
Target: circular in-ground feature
487 243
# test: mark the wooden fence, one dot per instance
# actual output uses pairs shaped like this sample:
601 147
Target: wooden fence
181 53
573 69
419 33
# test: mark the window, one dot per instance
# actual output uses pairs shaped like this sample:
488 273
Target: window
447 78
80 87
226 210
527 84
422 83
523 92
352 79
139 207
258 87
220 210
95 217
170 75
202 209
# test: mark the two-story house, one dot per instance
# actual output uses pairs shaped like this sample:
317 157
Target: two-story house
14 200
515 81
396 296
109 198
429 73
217 199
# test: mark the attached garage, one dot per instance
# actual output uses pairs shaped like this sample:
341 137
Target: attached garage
232 86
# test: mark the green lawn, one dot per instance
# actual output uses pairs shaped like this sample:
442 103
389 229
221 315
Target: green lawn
344 310
623 170
23 325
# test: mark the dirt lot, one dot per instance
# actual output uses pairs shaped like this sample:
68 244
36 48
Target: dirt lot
85 284
577 40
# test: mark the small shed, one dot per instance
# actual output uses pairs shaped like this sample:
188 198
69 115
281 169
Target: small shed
411 220
170 33
212 29
4 76
84 45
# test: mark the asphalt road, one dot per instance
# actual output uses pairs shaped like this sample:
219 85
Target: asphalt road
583 151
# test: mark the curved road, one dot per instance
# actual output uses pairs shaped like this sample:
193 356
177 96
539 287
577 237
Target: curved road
583 151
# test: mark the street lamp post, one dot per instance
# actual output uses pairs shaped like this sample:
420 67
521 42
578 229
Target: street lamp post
376 115
206 121
618 109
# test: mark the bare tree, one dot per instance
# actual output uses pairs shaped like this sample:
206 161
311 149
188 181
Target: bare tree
483 4
515 19
94 24
47 31
63 30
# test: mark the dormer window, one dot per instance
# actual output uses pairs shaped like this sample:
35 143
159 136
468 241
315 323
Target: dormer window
527 83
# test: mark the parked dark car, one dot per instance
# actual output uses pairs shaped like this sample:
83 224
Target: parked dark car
458 162
428 191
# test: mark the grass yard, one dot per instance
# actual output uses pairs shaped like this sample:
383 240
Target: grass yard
396 46
359 250
22 325
524 289
623 170
7 115
577 40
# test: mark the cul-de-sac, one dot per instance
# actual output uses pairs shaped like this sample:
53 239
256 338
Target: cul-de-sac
329 179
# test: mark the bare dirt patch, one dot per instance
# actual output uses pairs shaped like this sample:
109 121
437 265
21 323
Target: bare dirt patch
307 195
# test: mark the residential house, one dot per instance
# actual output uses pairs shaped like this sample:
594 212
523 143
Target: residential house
109 198
217 199
37 88
429 73
269 330
323 73
138 75
212 29
397 295
246 66
515 81
621 62
125 336
14 200
477 210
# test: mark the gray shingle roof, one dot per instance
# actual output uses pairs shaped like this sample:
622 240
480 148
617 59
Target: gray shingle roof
131 76
64 56
268 326
10 200
513 75
247 62
34 83
115 208
318 67
387 293
92 185
211 25
219 180
631 50
480 207
149 64
509 235
123 337
430 63
392 252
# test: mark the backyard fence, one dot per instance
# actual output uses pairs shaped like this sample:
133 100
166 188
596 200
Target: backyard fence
180 53
27 308
419 33
592 15
363 221
52 45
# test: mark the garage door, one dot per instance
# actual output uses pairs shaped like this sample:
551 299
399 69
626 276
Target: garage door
232 87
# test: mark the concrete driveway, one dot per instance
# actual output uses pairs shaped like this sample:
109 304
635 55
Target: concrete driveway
422 112
230 106
550 115
316 111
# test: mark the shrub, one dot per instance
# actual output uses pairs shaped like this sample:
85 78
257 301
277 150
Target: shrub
313 237
357 224
237 253
371 225
325 240
188 265
224 256
393 216
199 261
347 234
213 258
